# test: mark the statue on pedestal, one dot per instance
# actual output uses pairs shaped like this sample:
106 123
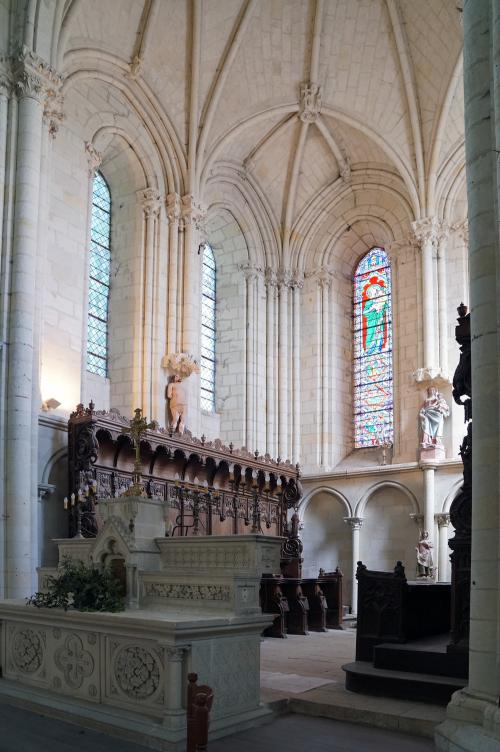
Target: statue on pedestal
180 366
177 401
432 414
425 565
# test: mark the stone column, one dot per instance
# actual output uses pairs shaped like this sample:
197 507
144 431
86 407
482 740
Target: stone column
325 282
443 521
271 347
426 234
260 363
175 678
175 682
428 470
296 389
473 715
150 202
7 110
33 80
251 333
173 206
283 367
193 216
355 524
443 236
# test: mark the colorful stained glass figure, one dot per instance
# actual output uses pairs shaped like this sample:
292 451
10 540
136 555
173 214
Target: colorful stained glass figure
373 380
99 273
207 364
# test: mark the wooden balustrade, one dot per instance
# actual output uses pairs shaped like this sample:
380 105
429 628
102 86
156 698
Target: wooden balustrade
210 488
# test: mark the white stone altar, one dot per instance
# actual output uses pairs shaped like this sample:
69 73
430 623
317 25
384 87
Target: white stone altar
192 606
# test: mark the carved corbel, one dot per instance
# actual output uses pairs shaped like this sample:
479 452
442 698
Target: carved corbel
94 158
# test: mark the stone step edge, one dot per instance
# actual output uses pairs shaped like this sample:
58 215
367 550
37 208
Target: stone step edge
422 727
365 668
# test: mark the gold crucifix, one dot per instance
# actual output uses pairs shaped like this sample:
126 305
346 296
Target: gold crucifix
137 428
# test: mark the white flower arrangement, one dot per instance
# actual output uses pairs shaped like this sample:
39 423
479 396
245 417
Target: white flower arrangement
181 364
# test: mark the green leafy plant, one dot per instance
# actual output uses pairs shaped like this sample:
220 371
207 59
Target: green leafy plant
83 587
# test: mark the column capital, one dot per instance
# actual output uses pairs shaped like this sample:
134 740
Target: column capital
443 520
354 522
6 81
53 113
323 276
462 230
94 158
173 207
270 278
250 271
427 465
426 230
33 77
150 200
444 232
289 278
193 212
310 102
175 654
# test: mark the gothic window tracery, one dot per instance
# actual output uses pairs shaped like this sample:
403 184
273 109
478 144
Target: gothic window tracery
208 298
99 276
373 377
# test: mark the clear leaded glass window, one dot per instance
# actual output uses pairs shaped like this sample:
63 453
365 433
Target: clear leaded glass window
99 272
373 382
207 365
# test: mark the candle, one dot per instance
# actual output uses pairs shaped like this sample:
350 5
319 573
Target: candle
72 499
65 502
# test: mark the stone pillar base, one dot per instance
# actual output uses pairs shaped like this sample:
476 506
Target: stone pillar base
472 724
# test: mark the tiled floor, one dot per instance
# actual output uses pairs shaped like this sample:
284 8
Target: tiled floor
22 731
318 659
297 733
304 670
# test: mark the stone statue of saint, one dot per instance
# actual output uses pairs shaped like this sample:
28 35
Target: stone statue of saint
177 402
432 414
425 565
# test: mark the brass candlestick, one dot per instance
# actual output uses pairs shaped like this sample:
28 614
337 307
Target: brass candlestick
138 427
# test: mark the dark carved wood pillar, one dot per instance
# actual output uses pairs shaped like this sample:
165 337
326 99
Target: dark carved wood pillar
461 508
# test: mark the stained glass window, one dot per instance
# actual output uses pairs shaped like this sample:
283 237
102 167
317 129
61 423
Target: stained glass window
99 271
207 365
373 384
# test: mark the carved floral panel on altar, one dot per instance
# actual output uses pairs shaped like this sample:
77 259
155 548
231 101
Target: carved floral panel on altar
25 653
65 661
135 675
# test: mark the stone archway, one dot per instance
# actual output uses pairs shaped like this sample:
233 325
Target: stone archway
327 539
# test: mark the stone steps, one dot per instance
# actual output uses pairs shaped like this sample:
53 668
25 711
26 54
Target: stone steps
362 676
427 657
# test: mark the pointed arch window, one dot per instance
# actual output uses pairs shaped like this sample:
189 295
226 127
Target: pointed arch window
373 377
99 274
208 300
